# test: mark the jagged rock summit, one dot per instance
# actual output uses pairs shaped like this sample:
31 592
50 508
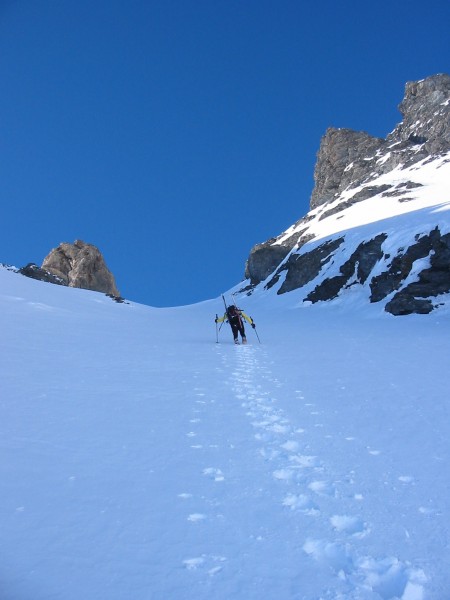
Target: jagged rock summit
80 265
377 217
349 158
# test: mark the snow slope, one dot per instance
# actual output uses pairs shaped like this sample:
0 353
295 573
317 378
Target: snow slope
411 203
432 196
140 459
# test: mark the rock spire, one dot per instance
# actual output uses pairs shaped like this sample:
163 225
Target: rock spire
81 265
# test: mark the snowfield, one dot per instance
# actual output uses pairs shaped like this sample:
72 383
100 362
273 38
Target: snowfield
142 460
411 203
419 207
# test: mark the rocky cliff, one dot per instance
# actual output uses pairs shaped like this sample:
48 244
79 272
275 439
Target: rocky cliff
374 222
80 265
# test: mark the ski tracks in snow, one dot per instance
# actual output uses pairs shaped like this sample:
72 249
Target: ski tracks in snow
335 528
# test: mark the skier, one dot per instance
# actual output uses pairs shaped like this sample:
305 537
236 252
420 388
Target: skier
234 316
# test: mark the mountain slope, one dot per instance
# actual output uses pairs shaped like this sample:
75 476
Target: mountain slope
140 459
379 215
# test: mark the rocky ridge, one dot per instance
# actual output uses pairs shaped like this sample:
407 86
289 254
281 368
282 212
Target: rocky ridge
358 173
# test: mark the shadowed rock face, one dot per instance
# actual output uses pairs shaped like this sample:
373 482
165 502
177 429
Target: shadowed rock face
341 161
356 269
301 269
34 272
263 260
81 265
432 281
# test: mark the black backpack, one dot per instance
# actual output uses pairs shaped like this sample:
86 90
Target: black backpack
232 313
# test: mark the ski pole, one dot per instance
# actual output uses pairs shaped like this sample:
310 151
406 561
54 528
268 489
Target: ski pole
217 330
254 329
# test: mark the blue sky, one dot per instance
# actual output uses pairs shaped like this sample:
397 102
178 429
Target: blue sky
175 135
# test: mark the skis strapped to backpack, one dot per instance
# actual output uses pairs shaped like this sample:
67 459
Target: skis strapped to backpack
225 302
233 313
227 307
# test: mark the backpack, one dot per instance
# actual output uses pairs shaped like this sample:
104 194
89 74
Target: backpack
232 313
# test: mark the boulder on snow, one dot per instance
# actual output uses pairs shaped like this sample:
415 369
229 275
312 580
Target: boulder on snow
81 265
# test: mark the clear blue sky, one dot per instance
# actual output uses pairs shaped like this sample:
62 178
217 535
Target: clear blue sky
176 134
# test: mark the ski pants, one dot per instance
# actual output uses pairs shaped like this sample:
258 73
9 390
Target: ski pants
237 327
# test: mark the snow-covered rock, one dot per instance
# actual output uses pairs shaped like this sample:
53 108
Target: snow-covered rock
379 214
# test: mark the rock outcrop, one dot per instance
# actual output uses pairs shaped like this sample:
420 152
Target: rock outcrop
432 281
34 272
263 260
356 269
342 160
425 110
81 265
347 159
353 167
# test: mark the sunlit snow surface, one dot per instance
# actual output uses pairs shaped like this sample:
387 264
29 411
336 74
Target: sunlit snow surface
142 460
419 205
415 202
